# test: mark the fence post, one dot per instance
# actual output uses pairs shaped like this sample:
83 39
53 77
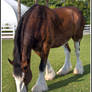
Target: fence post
13 31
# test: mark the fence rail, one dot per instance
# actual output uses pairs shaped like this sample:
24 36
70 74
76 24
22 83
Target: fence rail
10 32
7 32
87 29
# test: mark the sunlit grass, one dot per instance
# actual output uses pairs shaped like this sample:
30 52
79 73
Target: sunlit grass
67 83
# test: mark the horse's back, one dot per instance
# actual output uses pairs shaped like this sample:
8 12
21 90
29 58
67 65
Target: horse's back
40 24
70 12
73 21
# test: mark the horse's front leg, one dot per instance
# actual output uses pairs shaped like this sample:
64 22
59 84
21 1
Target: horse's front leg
50 73
41 85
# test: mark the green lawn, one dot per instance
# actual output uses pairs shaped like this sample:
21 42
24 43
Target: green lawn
67 83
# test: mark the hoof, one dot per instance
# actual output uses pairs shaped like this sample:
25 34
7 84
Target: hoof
78 69
75 71
39 88
64 70
50 76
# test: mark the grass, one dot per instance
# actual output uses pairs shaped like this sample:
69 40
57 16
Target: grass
67 83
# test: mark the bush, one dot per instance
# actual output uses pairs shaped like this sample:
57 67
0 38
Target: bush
83 5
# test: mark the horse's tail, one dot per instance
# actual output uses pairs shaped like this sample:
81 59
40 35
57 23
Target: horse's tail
82 24
79 26
82 20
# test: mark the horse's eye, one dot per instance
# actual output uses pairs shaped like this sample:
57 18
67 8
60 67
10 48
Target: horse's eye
25 67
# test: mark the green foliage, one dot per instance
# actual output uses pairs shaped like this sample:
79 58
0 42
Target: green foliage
83 5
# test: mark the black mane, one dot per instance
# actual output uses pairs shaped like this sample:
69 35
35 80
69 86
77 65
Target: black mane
19 36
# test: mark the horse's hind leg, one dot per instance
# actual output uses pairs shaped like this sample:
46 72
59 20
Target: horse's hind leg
67 66
78 68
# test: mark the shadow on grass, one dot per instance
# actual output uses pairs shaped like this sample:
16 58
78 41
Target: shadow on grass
75 78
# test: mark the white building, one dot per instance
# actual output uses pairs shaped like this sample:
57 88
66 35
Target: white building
9 12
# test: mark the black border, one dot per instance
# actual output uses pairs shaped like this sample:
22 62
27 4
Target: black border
91 46
0 49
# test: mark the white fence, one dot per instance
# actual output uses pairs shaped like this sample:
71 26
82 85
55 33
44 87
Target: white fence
87 29
8 32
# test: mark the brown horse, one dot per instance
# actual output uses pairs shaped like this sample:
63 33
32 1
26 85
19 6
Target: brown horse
40 29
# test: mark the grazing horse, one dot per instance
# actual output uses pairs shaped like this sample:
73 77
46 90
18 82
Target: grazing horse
40 29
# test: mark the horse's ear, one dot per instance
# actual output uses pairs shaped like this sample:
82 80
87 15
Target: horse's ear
11 62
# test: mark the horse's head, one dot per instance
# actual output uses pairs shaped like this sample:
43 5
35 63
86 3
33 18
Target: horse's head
22 75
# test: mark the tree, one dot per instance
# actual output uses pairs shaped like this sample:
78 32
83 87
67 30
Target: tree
83 5
19 10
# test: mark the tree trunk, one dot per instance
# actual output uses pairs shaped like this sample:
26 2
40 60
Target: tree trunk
19 10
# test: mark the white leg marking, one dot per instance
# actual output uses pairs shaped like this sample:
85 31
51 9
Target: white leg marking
40 85
20 84
50 74
78 68
67 66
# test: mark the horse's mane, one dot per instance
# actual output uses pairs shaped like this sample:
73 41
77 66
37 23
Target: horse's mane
19 37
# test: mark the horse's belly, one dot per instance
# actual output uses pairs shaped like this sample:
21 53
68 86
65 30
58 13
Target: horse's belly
59 42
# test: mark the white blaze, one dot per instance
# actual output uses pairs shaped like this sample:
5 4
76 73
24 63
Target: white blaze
20 84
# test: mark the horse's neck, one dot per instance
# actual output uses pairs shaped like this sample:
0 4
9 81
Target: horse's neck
26 55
